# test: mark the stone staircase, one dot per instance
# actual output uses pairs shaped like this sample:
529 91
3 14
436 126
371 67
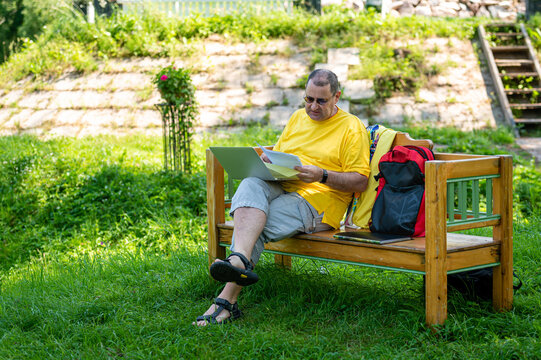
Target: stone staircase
516 72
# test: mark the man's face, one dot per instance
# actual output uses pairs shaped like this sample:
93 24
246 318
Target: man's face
320 102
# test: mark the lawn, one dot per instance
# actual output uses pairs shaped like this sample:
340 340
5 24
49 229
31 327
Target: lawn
103 256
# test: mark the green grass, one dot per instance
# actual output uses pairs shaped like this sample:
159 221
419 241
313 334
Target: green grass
104 256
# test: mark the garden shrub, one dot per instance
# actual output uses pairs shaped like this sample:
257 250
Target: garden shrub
11 18
20 19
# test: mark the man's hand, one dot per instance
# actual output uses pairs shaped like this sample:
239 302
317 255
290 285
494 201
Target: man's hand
309 173
265 158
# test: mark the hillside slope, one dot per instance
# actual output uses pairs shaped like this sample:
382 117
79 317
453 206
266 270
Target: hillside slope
239 83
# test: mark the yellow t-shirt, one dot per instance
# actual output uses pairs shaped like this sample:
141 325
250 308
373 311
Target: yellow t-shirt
339 143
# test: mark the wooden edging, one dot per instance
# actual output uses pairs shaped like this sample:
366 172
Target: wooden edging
502 98
531 51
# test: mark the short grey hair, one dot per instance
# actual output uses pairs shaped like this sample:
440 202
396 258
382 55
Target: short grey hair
324 77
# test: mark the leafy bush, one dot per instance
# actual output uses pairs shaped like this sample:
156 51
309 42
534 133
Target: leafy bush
535 21
38 14
57 194
78 195
527 192
26 19
11 18
483 142
175 85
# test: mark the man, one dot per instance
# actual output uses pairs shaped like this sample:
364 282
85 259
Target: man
334 149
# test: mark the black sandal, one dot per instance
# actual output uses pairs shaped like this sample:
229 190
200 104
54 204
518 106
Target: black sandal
224 271
234 312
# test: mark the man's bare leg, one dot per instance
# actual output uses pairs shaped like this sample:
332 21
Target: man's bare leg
248 225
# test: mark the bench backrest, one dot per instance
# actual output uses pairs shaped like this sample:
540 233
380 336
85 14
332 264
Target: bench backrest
474 188
404 139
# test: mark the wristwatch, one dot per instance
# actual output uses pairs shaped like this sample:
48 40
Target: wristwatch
324 177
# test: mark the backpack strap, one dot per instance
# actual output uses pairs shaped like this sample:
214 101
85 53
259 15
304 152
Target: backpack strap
519 285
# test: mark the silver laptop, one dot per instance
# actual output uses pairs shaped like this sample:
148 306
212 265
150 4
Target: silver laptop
243 162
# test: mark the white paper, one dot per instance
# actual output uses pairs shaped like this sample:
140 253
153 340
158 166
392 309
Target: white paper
281 158
282 173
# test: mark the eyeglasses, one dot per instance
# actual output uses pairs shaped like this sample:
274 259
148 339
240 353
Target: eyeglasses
320 101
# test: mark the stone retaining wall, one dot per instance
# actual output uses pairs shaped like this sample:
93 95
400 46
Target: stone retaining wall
507 10
501 9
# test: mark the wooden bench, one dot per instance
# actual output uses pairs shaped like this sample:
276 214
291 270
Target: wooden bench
462 192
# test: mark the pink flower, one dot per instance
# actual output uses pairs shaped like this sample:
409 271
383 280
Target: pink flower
164 77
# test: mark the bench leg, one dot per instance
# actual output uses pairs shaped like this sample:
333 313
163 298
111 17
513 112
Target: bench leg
215 250
283 260
436 298
215 206
502 288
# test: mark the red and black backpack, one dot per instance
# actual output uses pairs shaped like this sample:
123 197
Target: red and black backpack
400 202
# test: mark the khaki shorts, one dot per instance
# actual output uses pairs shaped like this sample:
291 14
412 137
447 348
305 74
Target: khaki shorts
288 214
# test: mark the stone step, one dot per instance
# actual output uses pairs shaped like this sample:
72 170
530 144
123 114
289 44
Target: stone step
341 70
348 56
79 122
527 121
358 90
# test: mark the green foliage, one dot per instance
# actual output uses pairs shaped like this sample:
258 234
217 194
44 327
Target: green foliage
11 18
533 27
153 34
527 192
535 21
483 142
57 195
519 82
38 14
26 19
175 85
495 40
79 195
394 69
52 59
301 82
